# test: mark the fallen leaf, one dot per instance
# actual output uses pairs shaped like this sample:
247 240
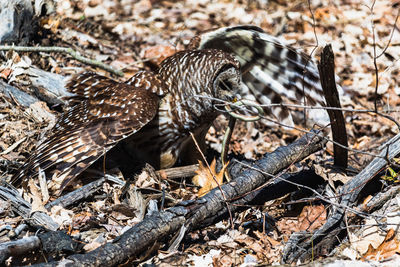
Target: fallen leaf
386 249
207 178
5 73
37 202
312 217
157 54
51 23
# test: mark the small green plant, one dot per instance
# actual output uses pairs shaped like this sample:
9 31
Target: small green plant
391 175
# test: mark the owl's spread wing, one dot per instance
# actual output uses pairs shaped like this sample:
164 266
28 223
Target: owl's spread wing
271 70
101 113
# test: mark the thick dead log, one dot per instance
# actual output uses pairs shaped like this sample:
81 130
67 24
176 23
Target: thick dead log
22 98
287 183
19 19
133 242
16 22
261 172
302 246
24 209
326 69
158 226
18 247
53 243
47 86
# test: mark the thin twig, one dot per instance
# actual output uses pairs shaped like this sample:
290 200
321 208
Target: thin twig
376 70
391 35
215 179
76 55
296 128
13 146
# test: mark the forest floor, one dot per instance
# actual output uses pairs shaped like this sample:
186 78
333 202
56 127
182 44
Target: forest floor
130 35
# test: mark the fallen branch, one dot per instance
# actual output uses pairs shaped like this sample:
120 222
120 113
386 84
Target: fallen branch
253 178
304 246
326 67
24 209
192 214
54 243
307 180
91 188
76 55
19 247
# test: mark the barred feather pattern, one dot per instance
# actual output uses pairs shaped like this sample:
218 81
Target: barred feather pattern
101 112
193 78
272 71
151 115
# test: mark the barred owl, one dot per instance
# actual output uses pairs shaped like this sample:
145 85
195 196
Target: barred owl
151 116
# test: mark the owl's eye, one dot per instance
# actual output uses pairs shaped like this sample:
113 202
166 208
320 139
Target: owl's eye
226 79
225 85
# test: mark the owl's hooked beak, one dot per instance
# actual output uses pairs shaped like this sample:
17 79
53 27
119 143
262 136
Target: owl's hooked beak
228 84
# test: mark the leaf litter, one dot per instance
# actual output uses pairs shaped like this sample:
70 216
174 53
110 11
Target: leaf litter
130 35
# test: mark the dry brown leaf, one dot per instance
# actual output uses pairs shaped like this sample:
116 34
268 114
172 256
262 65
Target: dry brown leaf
37 202
207 178
252 244
5 73
156 54
145 179
312 217
287 227
51 23
222 260
80 219
386 249
331 175
266 239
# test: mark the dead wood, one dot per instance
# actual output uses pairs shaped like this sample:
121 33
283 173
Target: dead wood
24 209
380 199
67 50
19 21
259 173
302 246
77 195
192 214
90 188
46 86
326 67
133 242
17 95
179 172
19 247
304 180
51 243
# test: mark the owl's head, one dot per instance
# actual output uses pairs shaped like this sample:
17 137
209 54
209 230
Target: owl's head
208 73
227 82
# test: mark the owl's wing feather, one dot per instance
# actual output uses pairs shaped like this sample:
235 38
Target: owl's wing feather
271 70
101 113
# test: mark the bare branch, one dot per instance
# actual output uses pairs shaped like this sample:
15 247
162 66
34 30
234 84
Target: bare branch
76 55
